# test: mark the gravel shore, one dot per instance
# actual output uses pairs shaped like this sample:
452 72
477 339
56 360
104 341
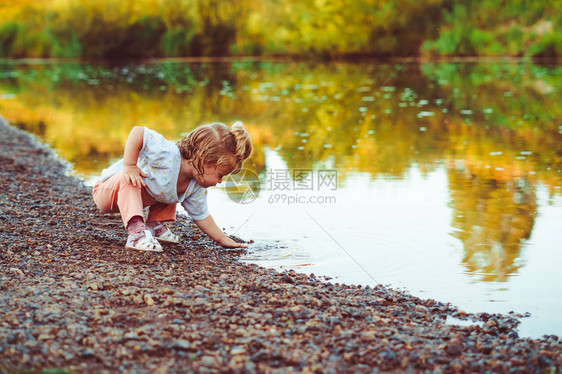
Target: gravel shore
72 298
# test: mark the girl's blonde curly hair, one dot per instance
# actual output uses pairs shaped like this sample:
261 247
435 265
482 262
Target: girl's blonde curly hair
217 144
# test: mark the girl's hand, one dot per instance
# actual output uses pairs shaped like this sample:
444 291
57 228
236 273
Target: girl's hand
209 227
133 174
229 243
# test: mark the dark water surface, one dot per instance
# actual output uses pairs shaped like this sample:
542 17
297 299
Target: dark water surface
442 178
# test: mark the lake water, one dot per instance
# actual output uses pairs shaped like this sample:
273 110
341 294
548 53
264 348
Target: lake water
443 179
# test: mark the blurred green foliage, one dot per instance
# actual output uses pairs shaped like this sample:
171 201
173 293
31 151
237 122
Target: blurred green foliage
311 28
499 28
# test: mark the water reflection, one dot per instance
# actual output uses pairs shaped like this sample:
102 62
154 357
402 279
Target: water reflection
495 126
494 213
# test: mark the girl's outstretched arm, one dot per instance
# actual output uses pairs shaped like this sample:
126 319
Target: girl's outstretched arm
209 227
131 171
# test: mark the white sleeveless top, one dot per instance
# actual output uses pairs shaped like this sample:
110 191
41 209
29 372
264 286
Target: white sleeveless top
160 160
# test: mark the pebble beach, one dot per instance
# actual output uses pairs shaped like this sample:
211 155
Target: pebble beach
73 299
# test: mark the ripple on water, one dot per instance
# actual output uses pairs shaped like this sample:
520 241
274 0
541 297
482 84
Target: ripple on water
383 259
276 253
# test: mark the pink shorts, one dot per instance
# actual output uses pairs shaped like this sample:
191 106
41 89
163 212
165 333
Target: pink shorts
116 195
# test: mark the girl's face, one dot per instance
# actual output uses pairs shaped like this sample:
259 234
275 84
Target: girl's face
213 176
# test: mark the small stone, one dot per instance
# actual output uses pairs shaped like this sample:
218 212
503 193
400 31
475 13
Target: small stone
515 361
491 323
368 336
453 349
167 291
16 271
209 361
250 367
148 300
238 350
388 355
287 279
487 349
170 300
182 344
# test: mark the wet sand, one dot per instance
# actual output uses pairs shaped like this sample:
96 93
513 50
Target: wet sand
73 298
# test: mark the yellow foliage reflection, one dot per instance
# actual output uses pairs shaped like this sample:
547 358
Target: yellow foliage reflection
494 212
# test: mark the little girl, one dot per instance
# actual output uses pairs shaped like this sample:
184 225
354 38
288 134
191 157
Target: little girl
158 174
